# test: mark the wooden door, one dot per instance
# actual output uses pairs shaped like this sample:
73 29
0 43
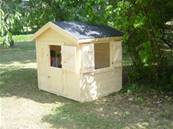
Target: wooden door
42 66
55 79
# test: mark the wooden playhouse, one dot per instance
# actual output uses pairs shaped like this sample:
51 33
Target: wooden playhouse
79 61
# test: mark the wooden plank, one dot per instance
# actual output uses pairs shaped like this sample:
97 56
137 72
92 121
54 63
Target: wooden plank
94 85
56 29
69 57
55 38
87 57
116 54
42 66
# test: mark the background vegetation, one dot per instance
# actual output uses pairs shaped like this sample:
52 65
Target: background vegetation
147 27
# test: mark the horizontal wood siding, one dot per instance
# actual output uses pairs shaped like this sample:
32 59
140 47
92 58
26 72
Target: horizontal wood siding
54 37
95 85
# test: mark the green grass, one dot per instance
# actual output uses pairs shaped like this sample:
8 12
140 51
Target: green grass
20 38
132 108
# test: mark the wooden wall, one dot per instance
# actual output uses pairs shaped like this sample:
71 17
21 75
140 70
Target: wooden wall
99 84
60 81
96 83
77 79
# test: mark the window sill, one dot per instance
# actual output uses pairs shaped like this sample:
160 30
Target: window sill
101 70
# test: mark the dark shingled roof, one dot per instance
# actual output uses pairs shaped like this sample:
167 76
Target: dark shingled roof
86 31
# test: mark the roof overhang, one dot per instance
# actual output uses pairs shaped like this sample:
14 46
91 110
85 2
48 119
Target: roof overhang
52 26
99 40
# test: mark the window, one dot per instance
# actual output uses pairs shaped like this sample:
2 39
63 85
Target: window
102 55
55 56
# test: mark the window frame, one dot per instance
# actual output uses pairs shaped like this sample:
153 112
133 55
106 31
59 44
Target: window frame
55 45
93 70
110 58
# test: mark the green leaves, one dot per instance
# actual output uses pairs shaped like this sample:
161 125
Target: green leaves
8 40
139 21
10 17
146 53
145 38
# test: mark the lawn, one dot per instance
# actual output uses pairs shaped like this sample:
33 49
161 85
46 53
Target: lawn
20 38
23 106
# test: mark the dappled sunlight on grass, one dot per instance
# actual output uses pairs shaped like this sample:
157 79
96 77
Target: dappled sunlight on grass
77 115
115 111
18 65
138 125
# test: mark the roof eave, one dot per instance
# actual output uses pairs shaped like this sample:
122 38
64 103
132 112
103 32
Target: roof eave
52 26
97 40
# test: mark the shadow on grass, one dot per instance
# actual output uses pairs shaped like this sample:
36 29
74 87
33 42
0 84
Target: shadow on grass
23 83
117 111
82 116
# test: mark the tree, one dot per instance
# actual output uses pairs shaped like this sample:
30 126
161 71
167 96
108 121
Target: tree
8 15
143 22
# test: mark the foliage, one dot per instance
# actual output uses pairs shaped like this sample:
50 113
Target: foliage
143 23
8 40
42 11
91 11
9 16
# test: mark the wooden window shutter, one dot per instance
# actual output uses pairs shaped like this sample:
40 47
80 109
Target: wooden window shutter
116 54
69 57
87 57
